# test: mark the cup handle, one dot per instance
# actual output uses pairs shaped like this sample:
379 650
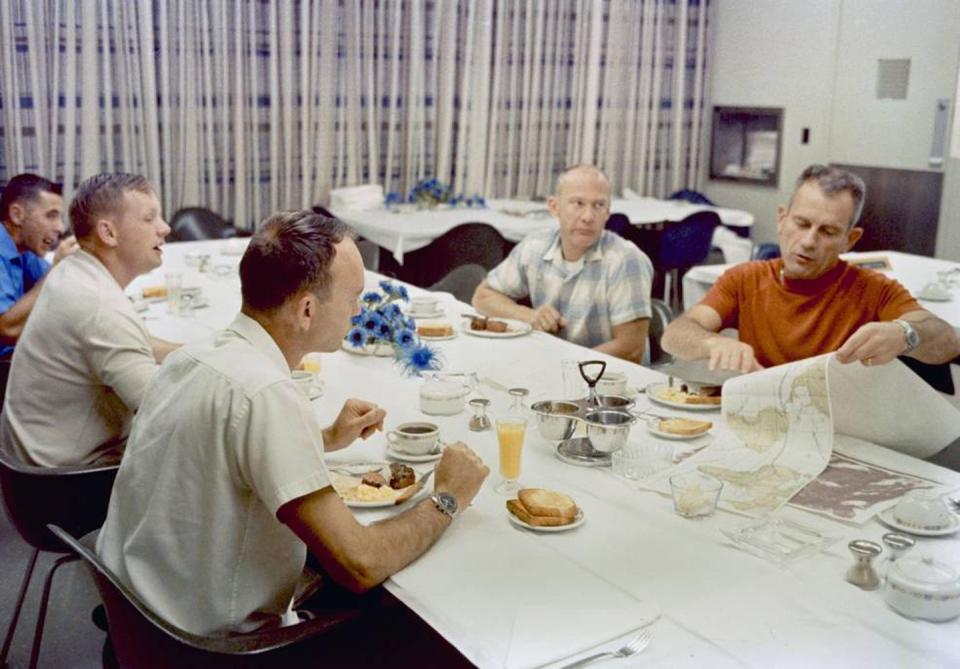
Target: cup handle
392 437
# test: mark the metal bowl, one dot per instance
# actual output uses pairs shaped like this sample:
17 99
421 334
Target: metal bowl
615 402
608 429
556 420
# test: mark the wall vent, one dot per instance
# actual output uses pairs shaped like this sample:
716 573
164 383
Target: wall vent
893 77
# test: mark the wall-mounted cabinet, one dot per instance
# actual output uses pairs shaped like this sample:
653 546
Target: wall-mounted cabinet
745 145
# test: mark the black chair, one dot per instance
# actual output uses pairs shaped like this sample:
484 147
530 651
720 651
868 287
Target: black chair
143 639
765 251
660 316
71 497
477 243
4 377
462 281
198 223
683 245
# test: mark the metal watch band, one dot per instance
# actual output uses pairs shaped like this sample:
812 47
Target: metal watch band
910 334
446 503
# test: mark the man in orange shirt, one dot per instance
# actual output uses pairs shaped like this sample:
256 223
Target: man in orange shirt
809 301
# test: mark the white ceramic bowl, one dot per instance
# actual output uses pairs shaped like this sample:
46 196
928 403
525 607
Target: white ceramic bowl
443 397
921 587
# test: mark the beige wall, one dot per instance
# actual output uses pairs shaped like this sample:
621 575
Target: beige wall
817 60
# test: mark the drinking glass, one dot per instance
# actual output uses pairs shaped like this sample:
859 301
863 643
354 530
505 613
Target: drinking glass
511 430
174 286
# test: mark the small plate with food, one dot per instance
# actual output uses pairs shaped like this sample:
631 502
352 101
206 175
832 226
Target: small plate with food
379 486
435 330
680 429
678 398
495 328
541 510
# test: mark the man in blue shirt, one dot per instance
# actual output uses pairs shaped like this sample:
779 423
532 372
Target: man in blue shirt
31 211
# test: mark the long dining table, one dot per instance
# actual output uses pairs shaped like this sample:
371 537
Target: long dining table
508 597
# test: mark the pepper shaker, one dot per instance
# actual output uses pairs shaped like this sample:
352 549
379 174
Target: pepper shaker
898 545
862 574
479 421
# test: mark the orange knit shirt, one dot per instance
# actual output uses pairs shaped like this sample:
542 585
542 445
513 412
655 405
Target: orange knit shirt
800 318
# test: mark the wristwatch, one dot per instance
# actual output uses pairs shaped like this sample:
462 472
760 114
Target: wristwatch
446 502
913 339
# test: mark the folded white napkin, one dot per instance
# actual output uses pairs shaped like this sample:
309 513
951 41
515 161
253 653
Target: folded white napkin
543 634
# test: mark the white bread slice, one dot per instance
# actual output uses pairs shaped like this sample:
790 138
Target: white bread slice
515 507
684 426
435 329
549 503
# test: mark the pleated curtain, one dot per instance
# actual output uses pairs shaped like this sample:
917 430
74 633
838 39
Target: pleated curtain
250 106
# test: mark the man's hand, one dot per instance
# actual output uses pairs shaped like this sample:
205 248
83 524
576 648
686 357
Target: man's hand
67 246
873 344
460 472
547 318
731 354
357 418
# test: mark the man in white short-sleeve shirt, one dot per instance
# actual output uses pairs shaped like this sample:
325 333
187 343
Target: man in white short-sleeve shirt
85 357
586 284
226 457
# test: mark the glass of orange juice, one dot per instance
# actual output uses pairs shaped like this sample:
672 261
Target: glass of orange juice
311 363
511 429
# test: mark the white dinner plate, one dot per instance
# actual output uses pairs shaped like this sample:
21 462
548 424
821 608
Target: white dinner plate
670 435
653 388
886 517
440 338
439 313
400 456
515 328
357 471
577 522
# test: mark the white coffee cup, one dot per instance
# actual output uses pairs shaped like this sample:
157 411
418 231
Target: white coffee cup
612 383
423 304
922 508
306 381
417 438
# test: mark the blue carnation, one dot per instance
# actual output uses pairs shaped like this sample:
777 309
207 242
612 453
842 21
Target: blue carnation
392 311
383 330
356 337
370 321
402 293
418 359
356 319
372 297
405 338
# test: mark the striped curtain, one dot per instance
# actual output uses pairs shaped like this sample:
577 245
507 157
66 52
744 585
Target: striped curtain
250 106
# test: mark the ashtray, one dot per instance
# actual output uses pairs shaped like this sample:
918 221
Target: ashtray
778 539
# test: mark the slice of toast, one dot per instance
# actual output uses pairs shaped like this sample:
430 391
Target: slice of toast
515 507
684 426
548 503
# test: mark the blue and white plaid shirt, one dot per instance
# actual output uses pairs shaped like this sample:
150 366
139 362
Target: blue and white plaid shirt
612 287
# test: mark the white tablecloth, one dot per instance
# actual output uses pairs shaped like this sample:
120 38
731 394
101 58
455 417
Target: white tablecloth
913 271
719 606
408 230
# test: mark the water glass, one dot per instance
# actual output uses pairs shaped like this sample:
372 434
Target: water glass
695 494
174 282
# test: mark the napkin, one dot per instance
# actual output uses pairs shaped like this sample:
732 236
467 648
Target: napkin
544 634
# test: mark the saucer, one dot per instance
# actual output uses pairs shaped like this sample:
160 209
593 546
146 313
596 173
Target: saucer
886 517
577 522
439 313
402 456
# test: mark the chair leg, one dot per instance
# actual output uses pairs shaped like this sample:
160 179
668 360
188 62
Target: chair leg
16 609
42 613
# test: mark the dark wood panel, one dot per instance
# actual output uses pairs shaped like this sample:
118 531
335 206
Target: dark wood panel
901 210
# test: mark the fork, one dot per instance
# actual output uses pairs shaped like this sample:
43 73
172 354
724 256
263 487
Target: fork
636 645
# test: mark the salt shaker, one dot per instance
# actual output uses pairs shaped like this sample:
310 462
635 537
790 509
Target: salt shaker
479 421
898 545
862 574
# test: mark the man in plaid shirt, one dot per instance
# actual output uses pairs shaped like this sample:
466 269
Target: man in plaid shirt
586 284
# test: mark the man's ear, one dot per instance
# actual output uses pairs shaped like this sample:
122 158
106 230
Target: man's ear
553 205
16 214
306 310
781 216
105 232
853 236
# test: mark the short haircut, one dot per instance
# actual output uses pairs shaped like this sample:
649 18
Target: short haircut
568 172
102 194
832 180
25 187
291 252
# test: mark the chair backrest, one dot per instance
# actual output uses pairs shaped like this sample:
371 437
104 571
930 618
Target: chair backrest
660 317
476 243
74 498
143 639
688 242
691 196
198 223
765 251
462 281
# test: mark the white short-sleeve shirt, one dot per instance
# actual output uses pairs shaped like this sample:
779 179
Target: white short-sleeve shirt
81 367
223 439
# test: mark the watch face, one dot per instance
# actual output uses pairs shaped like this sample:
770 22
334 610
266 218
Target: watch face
446 502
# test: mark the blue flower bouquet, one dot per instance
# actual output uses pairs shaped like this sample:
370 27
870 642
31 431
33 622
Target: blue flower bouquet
381 328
